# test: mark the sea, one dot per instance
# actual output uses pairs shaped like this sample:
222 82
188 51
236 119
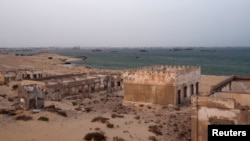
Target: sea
213 61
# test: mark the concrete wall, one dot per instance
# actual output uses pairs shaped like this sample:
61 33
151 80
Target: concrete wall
212 110
70 86
32 95
240 86
149 93
242 99
160 84
20 75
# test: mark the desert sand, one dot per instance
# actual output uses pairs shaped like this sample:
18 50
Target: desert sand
116 122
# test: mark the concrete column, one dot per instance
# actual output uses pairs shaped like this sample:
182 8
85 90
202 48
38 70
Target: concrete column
194 119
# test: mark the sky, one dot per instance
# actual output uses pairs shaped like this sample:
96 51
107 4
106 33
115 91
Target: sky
124 23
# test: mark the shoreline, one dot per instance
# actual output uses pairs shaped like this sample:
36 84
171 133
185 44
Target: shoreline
128 123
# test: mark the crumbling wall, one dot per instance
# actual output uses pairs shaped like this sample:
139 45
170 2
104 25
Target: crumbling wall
240 86
30 96
212 110
60 87
242 99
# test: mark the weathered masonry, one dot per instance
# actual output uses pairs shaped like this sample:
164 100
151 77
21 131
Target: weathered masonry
7 76
78 85
228 103
161 84
32 93
30 96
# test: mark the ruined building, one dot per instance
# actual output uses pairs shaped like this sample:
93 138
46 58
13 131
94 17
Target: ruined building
227 103
161 84
19 74
59 87
30 96
72 86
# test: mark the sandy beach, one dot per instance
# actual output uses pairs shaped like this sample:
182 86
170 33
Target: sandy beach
145 122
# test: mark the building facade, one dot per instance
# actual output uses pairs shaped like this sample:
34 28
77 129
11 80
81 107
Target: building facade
227 103
161 84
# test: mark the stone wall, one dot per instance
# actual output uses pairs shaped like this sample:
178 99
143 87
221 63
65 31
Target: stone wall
243 98
30 96
216 110
20 75
160 84
70 86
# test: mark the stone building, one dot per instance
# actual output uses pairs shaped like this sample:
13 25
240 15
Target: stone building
79 85
30 96
227 103
17 75
161 84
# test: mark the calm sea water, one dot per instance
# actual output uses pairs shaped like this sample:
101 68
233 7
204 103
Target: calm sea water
213 61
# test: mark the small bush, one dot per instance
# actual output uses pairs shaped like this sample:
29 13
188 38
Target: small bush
118 139
43 118
74 103
88 109
10 99
62 113
141 105
14 87
100 119
117 116
152 138
94 136
154 129
137 117
97 128
24 118
50 57
110 125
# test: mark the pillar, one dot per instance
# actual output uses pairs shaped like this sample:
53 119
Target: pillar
194 118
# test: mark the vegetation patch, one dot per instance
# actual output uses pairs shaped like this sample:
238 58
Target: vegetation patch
14 87
100 119
43 118
118 139
52 108
24 118
152 138
137 117
88 109
117 116
110 125
154 129
62 113
95 136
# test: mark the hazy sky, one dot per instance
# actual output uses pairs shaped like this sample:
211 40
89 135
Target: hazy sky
124 23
